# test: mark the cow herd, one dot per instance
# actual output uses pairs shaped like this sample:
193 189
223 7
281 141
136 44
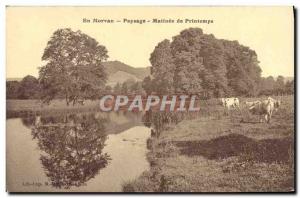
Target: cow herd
263 108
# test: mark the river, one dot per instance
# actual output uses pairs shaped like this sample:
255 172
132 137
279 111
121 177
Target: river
90 152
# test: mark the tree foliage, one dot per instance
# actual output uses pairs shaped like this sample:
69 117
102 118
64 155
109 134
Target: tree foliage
270 86
243 71
162 64
72 148
27 88
12 89
129 86
198 63
148 85
289 85
73 67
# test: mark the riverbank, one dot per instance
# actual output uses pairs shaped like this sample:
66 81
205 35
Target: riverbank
222 154
23 108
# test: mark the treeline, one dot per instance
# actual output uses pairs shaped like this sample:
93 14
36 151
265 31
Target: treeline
280 86
197 63
29 88
129 86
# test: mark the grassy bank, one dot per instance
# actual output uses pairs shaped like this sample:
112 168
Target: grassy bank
20 108
227 153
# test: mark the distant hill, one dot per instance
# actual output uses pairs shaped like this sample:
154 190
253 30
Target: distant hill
117 72
120 72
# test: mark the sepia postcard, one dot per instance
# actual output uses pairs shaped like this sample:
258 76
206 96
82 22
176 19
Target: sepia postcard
150 99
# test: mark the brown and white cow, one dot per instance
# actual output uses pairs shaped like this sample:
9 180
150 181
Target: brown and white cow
265 108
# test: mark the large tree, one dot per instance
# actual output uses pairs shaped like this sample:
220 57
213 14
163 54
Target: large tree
243 71
198 63
188 65
73 68
163 67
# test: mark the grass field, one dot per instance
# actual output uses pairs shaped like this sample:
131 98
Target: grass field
19 108
222 152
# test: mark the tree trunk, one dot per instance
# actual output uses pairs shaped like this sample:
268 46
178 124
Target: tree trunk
74 100
67 98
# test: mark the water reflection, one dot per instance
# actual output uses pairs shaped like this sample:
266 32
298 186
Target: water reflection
28 121
71 147
43 150
158 121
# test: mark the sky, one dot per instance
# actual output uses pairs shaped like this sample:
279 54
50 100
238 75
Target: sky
267 30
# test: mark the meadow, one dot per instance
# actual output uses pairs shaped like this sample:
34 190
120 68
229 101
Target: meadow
219 151
23 108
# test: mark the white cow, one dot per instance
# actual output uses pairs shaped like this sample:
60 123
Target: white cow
231 103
